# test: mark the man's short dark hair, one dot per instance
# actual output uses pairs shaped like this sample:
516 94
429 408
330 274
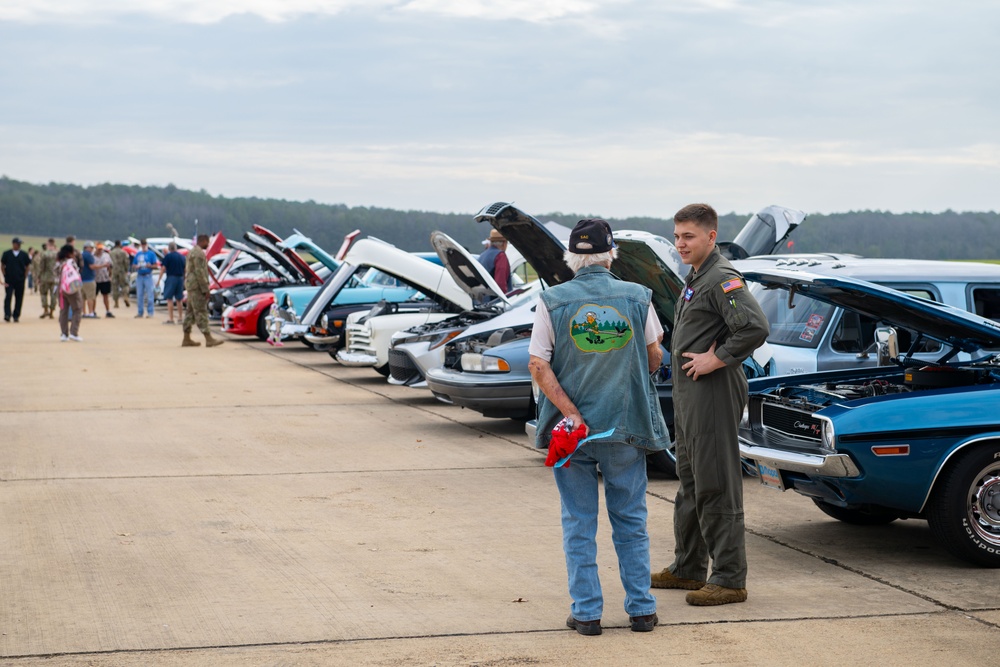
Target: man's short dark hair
118 243
202 236
702 215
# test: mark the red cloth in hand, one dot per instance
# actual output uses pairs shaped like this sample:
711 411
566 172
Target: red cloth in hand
563 443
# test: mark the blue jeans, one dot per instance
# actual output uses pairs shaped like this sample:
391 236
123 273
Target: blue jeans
624 471
144 292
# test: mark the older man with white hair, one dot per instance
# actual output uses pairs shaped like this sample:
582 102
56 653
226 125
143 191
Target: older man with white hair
594 343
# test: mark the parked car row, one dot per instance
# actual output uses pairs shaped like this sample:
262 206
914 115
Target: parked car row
873 396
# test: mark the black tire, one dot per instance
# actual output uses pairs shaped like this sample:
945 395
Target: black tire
382 370
864 516
964 512
661 462
262 332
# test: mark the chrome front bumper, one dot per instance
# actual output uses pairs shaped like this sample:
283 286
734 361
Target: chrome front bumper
822 465
356 359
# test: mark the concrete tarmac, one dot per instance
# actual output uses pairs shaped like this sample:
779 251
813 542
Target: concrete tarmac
252 505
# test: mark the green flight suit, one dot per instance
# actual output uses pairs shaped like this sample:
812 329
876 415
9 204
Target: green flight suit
196 284
44 267
716 306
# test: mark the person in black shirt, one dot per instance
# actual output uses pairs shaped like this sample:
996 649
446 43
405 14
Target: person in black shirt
14 264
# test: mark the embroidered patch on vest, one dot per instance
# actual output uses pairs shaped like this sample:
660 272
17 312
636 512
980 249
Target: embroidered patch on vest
730 285
599 329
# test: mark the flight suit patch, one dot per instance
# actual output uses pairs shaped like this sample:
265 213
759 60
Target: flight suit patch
599 329
688 293
731 285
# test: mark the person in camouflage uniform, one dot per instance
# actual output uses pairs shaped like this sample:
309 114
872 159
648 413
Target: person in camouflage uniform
45 273
196 284
119 273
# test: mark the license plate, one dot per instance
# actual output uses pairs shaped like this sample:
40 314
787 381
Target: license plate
770 477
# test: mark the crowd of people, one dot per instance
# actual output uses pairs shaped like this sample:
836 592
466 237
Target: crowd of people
72 280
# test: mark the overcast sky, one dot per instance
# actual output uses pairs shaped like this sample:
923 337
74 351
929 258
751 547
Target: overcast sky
605 107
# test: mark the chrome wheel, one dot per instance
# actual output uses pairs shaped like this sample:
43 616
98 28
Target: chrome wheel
984 504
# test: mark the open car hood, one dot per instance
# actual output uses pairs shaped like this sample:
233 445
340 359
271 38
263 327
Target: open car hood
288 258
266 259
468 273
422 275
537 244
298 241
952 326
652 261
764 233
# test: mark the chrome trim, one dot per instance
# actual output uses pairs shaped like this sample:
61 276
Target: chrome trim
529 428
827 465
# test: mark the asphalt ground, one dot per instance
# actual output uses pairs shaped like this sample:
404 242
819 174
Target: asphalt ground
253 505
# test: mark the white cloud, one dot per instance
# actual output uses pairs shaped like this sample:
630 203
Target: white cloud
199 11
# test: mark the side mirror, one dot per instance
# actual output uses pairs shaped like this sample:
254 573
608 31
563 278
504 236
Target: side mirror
887 343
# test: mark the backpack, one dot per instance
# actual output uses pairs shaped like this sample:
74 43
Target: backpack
71 282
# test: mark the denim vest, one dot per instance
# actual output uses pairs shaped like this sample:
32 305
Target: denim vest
599 358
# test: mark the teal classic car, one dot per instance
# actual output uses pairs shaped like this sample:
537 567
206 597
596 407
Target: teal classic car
909 438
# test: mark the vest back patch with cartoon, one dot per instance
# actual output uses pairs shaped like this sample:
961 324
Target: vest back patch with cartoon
600 329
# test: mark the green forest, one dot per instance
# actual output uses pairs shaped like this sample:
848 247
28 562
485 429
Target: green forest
115 211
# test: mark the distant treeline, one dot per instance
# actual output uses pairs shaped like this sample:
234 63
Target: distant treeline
113 211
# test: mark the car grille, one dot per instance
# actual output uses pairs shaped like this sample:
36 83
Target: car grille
793 423
401 366
359 339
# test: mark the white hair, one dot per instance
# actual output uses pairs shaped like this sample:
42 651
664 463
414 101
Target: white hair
577 262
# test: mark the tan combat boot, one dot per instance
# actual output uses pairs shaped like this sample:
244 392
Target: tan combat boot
667 579
116 303
188 341
712 595
212 342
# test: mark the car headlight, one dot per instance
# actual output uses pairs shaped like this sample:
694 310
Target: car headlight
829 436
243 307
324 322
440 339
479 363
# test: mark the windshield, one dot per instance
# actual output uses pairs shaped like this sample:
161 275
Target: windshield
801 326
375 277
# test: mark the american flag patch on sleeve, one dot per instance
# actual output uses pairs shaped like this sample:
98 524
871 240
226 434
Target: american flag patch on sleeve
730 285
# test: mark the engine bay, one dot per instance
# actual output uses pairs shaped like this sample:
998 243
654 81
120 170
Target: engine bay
813 397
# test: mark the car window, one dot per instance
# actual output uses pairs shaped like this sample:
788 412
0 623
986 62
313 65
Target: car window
374 277
800 326
855 333
986 303
249 267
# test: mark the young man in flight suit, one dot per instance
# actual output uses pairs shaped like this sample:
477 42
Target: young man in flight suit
717 324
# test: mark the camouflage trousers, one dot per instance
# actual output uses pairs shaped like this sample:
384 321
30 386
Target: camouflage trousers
119 286
196 313
47 290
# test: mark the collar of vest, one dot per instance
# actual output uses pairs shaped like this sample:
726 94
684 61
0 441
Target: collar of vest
595 268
